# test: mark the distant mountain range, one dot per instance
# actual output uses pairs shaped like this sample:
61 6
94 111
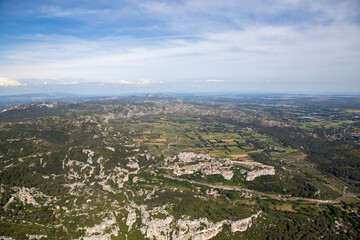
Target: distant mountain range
11 100
6 101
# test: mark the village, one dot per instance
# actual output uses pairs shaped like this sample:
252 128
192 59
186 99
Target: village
189 163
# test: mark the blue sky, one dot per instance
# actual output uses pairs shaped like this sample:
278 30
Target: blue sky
113 47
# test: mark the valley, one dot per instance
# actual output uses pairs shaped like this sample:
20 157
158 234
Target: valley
170 167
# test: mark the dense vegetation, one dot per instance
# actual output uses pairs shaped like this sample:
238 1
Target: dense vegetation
67 168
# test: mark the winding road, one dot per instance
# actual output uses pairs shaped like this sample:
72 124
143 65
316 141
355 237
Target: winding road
265 195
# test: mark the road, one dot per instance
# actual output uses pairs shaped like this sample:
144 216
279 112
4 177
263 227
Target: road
266 195
171 144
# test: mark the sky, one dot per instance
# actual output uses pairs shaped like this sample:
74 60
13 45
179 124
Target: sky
111 47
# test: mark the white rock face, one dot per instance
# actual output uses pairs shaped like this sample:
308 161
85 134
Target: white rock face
183 228
48 105
98 231
81 172
133 163
6 238
74 187
78 171
2 190
131 218
150 194
192 229
158 228
34 236
227 174
243 224
154 228
90 155
110 148
210 166
27 196
251 175
149 157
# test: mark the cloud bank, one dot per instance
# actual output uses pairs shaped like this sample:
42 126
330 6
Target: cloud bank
5 82
246 44
214 80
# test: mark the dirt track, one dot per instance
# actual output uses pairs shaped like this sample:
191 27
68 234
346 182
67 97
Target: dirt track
265 195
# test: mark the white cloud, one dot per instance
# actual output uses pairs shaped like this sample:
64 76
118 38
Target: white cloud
214 80
5 82
119 82
276 50
142 81
55 11
215 40
68 83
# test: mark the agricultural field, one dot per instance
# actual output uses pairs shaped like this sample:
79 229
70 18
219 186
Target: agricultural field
181 168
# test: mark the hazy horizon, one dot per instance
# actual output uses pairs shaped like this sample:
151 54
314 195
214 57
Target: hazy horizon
183 94
123 47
